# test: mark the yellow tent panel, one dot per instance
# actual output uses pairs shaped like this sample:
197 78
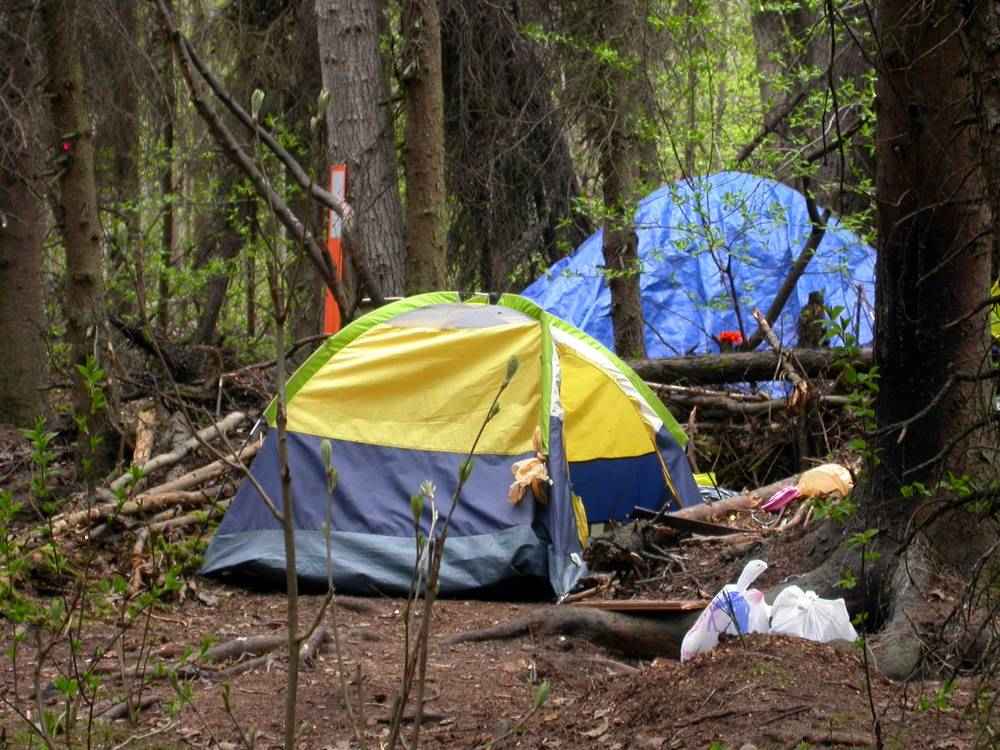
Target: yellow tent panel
426 389
600 421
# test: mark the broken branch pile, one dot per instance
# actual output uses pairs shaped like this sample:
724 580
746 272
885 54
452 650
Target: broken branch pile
203 492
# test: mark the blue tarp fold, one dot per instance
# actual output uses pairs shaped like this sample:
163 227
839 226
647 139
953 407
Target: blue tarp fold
694 237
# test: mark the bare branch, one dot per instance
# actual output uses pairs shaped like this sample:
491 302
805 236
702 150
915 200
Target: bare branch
331 201
798 267
232 148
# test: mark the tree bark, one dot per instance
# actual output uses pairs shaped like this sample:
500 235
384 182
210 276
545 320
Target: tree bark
510 172
360 132
168 235
426 247
616 114
119 132
983 33
222 240
933 265
83 305
22 230
932 273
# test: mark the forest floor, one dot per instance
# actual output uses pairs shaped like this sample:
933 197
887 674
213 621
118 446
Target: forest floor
762 691
773 692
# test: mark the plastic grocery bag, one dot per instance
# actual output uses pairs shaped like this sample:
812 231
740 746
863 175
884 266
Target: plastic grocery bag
826 479
804 614
736 609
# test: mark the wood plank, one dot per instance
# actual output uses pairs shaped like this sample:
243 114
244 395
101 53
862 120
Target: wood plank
643 605
705 528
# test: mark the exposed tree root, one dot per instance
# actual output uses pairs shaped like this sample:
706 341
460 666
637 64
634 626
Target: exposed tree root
820 737
631 635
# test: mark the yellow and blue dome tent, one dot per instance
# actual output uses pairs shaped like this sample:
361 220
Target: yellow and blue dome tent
401 394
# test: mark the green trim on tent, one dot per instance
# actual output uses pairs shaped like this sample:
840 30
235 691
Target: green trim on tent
528 307
546 416
348 334
638 383
995 312
513 301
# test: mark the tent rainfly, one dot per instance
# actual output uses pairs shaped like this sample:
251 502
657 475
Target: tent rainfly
401 394
703 241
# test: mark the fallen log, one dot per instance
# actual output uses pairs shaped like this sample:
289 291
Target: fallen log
121 710
738 367
204 473
745 501
724 403
218 429
145 503
642 637
167 495
145 436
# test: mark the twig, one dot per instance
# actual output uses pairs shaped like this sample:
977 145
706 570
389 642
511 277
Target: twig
233 149
783 360
151 733
331 201
169 459
816 235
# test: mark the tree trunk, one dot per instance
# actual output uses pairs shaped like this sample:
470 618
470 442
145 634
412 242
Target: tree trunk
119 132
83 305
983 33
168 237
425 196
932 272
933 266
618 128
22 231
360 132
220 238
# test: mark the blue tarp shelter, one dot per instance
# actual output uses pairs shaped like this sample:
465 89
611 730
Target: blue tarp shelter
690 232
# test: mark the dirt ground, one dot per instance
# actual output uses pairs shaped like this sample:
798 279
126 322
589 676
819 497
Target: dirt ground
772 692
754 692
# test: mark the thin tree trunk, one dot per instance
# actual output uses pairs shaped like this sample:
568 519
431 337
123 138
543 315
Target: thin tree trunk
250 269
360 132
983 33
221 239
425 195
121 134
620 157
77 206
22 231
167 184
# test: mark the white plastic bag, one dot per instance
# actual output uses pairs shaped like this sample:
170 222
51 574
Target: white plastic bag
804 614
736 609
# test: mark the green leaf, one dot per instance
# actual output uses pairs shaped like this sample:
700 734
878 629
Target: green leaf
512 365
542 694
323 101
417 507
256 100
66 685
465 471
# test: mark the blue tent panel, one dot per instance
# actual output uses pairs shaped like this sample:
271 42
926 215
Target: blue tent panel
698 236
